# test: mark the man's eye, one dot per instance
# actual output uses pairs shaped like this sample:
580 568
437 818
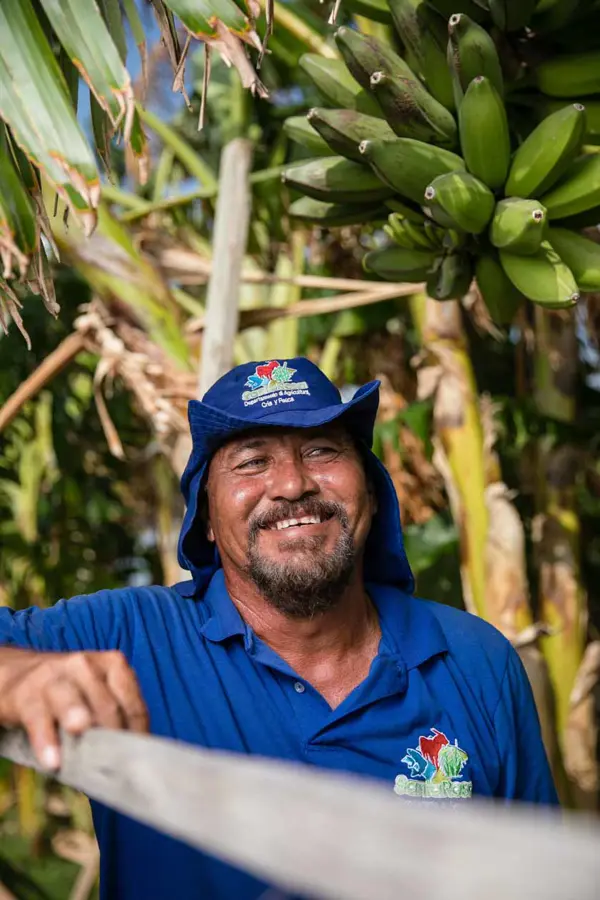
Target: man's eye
253 463
322 451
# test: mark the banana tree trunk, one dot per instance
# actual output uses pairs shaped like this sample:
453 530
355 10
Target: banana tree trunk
492 539
447 375
557 535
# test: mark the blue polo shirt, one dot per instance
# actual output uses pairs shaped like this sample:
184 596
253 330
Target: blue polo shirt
445 713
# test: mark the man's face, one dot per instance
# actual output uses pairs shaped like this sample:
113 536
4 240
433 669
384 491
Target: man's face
292 509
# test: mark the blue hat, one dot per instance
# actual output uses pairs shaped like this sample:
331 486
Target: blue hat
291 393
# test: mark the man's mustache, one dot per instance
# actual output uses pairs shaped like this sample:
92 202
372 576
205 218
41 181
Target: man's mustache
324 509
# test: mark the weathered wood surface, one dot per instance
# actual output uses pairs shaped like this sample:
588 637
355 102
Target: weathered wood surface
232 216
327 834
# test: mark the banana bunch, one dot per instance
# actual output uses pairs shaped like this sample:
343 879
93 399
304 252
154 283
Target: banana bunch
476 164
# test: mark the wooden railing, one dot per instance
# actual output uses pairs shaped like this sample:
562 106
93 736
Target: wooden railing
331 835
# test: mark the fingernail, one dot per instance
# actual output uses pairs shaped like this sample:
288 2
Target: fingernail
50 757
76 717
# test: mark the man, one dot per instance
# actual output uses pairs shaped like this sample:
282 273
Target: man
297 637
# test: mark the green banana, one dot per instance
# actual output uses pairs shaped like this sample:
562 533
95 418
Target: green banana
377 10
334 179
476 11
364 55
580 254
542 277
424 34
577 191
452 277
512 15
336 85
400 264
484 136
592 116
569 76
409 166
588 219
408 210
466 200
408 106
518 225
301 132
436 235
438 215
407 117
547 152
343 129
408 235
453 239
551 15
429 237
501 297
334 215
471 52
398 236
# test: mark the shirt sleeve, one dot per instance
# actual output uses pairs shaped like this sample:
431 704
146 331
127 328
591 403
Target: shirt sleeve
525 772
87 622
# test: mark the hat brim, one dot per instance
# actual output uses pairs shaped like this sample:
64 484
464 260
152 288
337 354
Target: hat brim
210 426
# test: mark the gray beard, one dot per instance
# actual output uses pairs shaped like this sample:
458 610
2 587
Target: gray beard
303 589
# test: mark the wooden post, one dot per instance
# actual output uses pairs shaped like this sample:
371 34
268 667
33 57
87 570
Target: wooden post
229 247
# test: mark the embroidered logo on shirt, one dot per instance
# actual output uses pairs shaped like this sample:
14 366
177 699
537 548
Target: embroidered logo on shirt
274 379
435 769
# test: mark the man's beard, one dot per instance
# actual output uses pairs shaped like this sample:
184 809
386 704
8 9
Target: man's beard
314 584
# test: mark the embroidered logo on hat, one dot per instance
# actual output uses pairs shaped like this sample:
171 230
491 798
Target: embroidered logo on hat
435 769
275 379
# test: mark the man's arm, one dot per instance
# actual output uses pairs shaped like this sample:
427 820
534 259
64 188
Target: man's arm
51 675
525 773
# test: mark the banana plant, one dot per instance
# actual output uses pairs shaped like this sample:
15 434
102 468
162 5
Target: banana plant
47 49
434 112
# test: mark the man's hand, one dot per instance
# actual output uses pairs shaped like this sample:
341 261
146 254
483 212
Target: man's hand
41 692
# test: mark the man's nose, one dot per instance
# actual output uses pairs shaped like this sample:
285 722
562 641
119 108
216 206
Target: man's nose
290 480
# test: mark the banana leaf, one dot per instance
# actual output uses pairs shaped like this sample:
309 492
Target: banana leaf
201 18
18 230
35 102
139 36
83 33
222 24
111 13
118 272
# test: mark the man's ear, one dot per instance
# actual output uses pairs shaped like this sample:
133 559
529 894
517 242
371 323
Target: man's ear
205 514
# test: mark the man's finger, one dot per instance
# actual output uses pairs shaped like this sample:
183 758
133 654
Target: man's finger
43 736
91 681
68 705
122 683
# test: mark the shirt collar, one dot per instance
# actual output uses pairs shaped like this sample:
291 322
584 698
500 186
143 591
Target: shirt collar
409 628
222 618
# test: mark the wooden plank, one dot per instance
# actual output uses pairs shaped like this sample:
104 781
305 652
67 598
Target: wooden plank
331 835
229 246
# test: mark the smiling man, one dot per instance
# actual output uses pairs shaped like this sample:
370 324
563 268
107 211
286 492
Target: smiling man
297 637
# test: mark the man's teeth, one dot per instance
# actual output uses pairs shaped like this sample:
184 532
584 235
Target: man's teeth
305 520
